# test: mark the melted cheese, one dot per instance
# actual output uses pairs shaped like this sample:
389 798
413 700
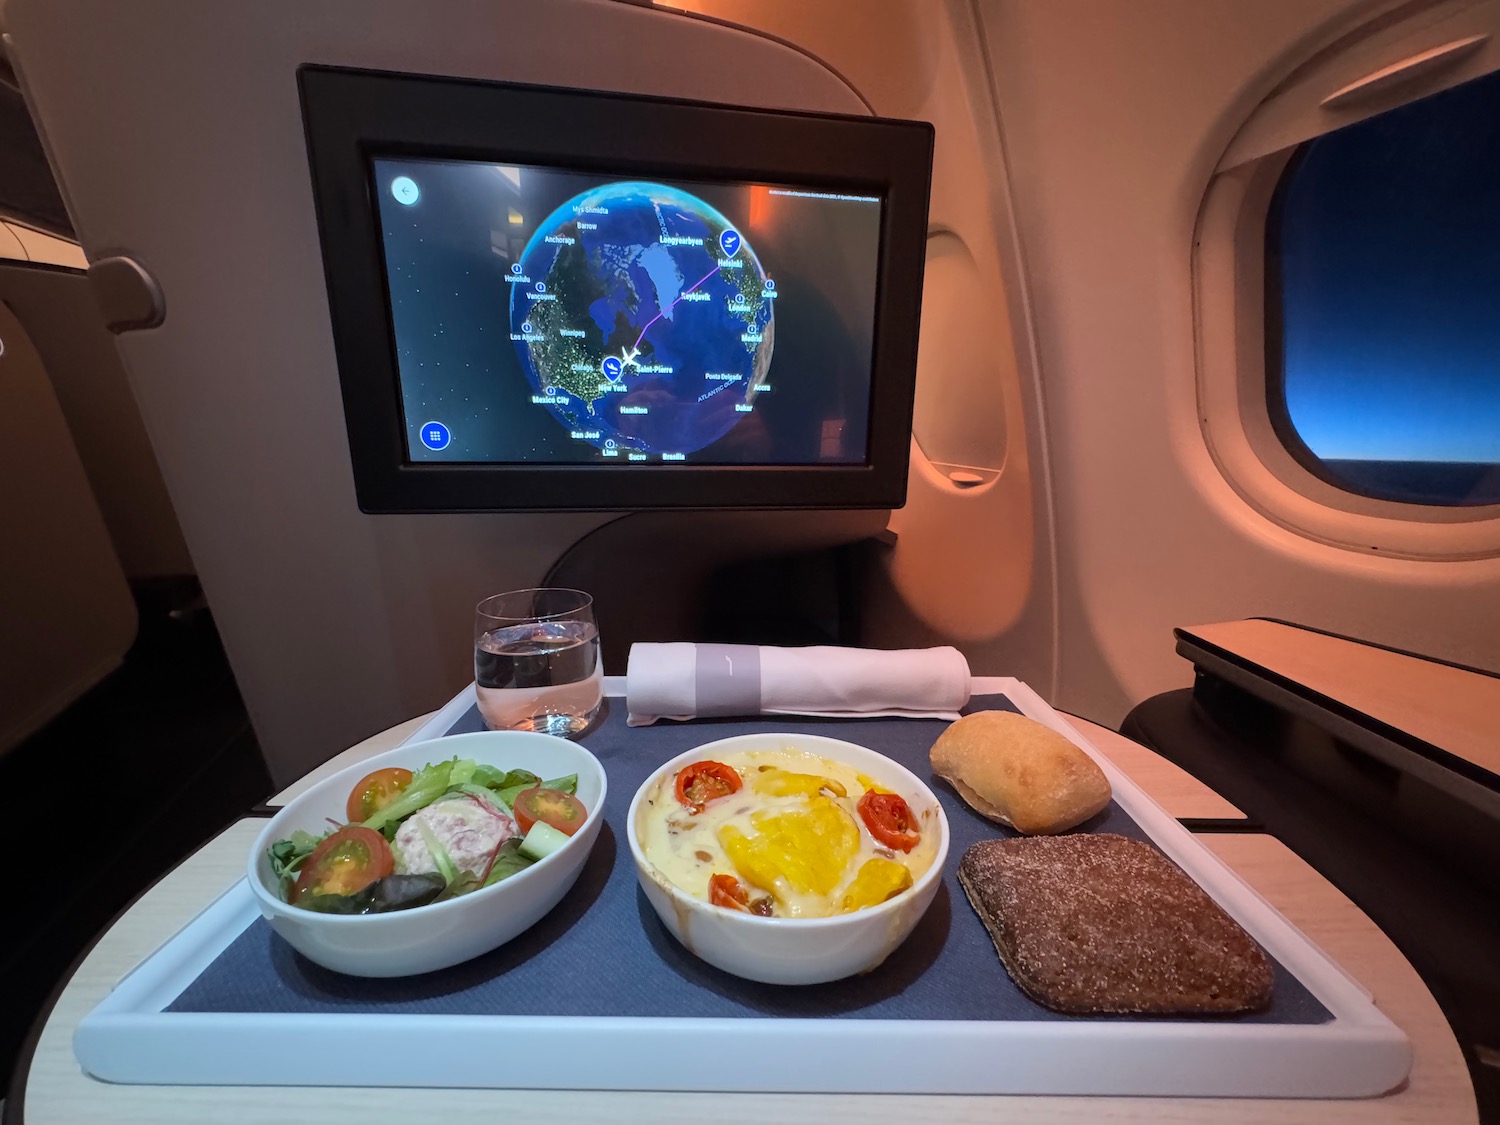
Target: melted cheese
792 832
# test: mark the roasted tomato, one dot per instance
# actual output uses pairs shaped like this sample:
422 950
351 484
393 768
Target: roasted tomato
550 806
348 861
702 782
373 792
889 820
728 892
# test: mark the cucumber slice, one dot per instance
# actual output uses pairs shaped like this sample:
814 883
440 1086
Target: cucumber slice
440 856
543 840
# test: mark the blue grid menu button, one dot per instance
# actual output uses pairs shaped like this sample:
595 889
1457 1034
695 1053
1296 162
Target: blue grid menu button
435 436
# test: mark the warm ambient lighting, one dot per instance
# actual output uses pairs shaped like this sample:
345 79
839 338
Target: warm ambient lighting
760 204
515 218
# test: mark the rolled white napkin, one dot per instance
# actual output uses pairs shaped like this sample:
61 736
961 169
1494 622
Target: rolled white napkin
686 681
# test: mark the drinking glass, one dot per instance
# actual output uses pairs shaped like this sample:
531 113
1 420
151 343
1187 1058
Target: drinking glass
536 661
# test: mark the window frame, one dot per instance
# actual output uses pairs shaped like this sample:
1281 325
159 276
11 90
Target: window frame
1233 311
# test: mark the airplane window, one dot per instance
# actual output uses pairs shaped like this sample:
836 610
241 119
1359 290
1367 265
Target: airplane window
1383 302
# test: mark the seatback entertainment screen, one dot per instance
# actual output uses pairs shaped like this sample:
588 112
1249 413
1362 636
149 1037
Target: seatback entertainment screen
553 299
548 315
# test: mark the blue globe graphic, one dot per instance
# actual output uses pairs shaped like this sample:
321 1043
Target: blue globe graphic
642 320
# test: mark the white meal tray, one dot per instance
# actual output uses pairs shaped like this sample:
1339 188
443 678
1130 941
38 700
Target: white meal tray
130 1037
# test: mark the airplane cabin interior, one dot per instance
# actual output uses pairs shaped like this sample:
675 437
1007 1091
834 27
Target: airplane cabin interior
935 382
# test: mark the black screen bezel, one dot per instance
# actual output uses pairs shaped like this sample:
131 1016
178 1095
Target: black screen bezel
352 117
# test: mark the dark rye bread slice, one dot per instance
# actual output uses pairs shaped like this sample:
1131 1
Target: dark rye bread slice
1096 923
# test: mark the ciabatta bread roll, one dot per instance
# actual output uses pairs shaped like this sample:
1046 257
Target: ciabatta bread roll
1014 770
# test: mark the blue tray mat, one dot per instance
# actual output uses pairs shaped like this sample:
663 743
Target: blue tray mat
603 951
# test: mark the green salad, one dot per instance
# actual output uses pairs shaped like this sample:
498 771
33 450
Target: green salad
411 839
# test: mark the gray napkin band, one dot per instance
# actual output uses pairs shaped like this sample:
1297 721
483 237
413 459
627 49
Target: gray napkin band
727 680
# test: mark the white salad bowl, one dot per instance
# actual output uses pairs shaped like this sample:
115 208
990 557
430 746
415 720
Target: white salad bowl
424 938
792 950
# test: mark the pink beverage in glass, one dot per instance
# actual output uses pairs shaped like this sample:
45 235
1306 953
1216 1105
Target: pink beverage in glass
536 661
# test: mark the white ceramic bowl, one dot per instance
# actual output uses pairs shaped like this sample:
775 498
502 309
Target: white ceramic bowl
793 950
405 942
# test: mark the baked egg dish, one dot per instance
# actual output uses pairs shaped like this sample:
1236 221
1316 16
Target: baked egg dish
784 834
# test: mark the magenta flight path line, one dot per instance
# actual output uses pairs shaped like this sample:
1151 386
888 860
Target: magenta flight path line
670 307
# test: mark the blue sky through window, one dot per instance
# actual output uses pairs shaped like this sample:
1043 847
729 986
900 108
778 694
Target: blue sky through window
1389 243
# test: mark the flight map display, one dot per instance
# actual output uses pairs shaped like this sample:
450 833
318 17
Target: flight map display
547 315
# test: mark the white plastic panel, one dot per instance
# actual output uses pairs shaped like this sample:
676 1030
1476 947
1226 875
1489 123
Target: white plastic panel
66 615
971 562
1113 126
1371 66
63 320
959 417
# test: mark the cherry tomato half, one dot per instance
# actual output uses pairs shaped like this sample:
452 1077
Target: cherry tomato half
702 782
729 892
726 891
551 806
373 792
348 861
889 820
